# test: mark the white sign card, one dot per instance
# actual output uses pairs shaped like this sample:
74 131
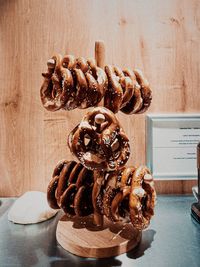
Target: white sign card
171 143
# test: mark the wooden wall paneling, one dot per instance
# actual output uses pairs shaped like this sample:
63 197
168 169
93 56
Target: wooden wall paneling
160 37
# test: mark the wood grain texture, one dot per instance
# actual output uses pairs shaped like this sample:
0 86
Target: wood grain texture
81 237
160 37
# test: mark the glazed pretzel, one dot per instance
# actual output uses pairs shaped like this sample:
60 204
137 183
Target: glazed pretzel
78 83
72 83
99 142
71 189
126 195
117 192
52 92
142 97
120 88
142 198
89 82
111 194
100 183
128 91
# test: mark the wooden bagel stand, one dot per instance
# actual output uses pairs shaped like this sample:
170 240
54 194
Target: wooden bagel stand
81 236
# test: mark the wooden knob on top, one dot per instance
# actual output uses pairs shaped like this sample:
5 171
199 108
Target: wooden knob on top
148 177
51 63
99 118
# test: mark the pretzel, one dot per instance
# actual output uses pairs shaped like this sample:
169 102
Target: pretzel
128 91
89 82
107 147
111 188
135 102
126 195
142 198
53 94
120 89
71 189
139 196
145 90
78 83
119 206
72 83
142 96
113 194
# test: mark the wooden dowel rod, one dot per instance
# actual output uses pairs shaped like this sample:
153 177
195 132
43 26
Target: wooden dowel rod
100 53
100 60
98 218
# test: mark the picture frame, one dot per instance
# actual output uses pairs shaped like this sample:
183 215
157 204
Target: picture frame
171 141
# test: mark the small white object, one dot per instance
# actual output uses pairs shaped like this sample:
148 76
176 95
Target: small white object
99 118
148 177
32 207
84 124
51 63
139 191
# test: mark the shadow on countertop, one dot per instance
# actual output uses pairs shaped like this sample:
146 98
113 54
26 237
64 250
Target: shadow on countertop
36 245
75 261
88 262
147 239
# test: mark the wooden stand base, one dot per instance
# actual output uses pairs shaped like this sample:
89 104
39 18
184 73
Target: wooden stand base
81 237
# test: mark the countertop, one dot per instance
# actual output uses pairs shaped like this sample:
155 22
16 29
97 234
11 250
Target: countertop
172 240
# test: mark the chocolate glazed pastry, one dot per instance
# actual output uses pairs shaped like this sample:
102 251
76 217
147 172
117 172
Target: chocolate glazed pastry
71 189
99 142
